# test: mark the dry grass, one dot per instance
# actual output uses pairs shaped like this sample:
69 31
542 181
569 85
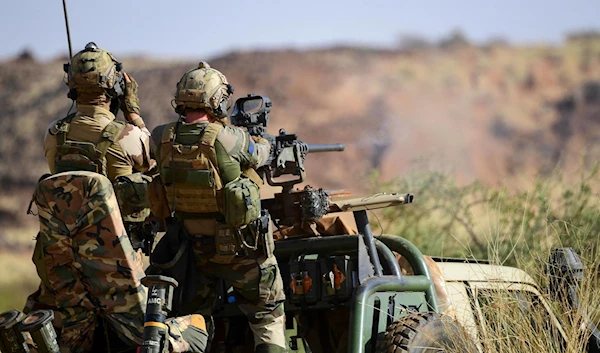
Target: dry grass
18 279
517 229
519 321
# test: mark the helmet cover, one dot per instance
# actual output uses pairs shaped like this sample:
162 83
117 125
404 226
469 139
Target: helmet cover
203 88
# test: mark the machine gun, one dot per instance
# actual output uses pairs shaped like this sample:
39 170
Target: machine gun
286 159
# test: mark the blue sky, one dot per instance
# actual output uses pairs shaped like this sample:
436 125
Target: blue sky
202 29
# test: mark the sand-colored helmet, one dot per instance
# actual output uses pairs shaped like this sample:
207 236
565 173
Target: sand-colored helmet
203 88
94 67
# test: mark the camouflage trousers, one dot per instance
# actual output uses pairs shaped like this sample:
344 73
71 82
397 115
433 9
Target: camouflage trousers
89 270
258 288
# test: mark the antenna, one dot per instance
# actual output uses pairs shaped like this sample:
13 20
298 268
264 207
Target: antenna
67 25
72 97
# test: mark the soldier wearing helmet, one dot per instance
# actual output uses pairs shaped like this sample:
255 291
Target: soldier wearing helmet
201 160
90 274
91 139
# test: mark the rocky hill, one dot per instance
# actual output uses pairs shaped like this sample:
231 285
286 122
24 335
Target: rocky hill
496 113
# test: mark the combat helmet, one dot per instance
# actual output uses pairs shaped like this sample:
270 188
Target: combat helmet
92 68
203 88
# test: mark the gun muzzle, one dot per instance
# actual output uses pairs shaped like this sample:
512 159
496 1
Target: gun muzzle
11 339
326 147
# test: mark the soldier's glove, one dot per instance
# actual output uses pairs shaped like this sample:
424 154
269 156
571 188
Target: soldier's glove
259 139
130 103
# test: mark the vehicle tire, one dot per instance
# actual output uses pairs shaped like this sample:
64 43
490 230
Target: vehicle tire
425 333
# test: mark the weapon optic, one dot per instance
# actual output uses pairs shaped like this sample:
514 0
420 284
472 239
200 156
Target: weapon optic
287 152
286 159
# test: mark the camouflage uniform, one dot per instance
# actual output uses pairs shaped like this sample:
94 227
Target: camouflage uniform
88 269
255 278
130 151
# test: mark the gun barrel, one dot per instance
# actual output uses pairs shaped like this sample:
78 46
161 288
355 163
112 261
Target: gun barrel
326 147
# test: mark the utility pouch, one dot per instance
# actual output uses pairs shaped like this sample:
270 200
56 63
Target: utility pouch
241 202
227 244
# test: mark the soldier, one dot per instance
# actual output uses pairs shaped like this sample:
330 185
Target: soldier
202 162
90 274
91 139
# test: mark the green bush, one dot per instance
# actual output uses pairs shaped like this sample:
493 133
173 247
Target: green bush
484 222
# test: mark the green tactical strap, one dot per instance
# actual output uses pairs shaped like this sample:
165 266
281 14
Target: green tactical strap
209 137
168 133
210 134
173 133
65 123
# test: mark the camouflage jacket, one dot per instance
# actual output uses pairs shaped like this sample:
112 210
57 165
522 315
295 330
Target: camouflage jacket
131 151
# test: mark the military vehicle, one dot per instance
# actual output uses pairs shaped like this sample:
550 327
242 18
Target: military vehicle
348 290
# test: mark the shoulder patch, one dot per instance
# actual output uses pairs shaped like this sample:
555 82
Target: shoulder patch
232 139
251 147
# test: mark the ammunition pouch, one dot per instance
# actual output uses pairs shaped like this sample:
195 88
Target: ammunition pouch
227 244
174 257
241 202
255 240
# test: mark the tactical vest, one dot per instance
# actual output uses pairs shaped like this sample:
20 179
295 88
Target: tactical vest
77 155
190 172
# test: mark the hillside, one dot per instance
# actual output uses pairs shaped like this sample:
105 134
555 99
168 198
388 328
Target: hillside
497 113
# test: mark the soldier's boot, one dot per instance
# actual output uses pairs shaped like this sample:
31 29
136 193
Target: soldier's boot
269 348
